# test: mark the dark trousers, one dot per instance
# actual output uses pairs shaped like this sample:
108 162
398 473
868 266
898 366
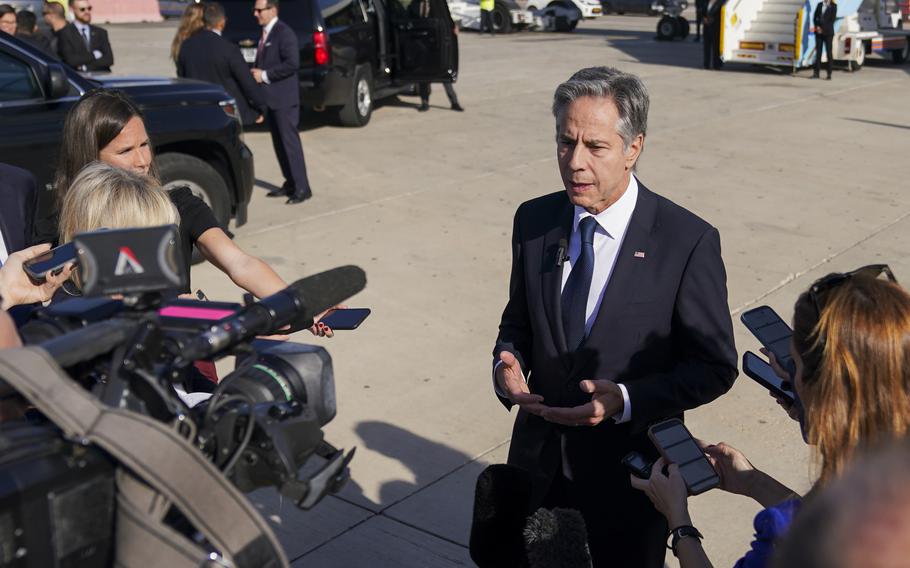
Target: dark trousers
827 42
288 149
424 90
711 46
486 21
624 529
699 16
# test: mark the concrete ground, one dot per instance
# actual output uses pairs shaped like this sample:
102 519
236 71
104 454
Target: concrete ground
801 177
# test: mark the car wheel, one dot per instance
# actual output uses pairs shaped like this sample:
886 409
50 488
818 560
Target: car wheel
178 170
502 19
359 107
666 28
898 56
682 27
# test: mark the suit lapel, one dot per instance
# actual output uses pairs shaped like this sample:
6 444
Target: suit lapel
551 272
625 276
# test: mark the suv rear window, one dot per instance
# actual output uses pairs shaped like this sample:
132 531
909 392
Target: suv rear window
242 23
337 13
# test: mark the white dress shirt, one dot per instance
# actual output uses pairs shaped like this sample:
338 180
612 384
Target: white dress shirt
267 30
609 233
4 254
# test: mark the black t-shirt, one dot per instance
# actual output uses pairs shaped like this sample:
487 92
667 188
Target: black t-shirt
195 218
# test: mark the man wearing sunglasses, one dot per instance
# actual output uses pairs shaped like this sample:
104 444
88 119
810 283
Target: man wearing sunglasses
81 45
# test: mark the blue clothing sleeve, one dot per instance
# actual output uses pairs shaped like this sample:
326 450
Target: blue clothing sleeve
770 524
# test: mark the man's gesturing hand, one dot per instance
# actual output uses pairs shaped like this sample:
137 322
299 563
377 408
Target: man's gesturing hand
512 383
606 401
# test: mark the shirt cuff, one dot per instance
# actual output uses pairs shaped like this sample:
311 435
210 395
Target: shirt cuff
626 413
265 78
496 388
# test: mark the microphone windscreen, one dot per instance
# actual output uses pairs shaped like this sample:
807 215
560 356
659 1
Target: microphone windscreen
320 292
501 506
557 538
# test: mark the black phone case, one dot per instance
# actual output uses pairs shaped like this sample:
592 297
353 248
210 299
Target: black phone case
758 378
702 485
762 316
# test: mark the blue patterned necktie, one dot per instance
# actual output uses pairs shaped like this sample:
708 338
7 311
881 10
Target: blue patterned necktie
575 294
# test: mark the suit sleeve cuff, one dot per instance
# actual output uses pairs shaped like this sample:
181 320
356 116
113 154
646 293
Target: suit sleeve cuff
265 78
496 388
626 413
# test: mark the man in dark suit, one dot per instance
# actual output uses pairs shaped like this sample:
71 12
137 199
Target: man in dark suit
823 20
209 57
27 31
277 66
701 7
18 195
617 318
81 45
711 47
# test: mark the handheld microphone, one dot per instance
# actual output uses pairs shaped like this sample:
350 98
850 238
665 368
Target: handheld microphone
501 507
297 305
562 253
557 538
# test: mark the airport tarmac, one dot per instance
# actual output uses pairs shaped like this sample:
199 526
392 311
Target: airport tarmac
800 177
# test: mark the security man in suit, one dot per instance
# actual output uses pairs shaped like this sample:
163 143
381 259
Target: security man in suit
209 57
276 68
18 195
711 47
81 45
617 318
823 20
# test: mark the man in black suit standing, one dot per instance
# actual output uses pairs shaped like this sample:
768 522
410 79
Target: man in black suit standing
277 66
18 195
711 47
209 57
27 31
617 318
81 45
823 20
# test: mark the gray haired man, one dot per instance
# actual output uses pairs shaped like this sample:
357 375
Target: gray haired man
617 318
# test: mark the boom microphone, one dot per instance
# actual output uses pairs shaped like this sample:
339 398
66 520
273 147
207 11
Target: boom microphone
557 538
296 305
501 506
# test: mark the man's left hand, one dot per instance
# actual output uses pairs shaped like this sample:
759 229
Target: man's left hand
257 74
606 401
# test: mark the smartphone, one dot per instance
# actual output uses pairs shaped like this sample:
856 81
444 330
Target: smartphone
674 442
773 333
346 318
51 262
761 372
637 465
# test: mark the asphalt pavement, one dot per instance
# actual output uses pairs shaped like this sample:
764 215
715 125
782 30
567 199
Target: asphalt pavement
801 178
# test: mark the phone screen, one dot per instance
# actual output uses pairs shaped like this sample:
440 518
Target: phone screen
678 446
53 259
347 318
773 333
761 372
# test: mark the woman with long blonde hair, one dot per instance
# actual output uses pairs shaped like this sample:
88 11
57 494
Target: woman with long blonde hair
190 23
851 346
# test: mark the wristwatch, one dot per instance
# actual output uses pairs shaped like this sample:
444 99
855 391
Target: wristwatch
680 532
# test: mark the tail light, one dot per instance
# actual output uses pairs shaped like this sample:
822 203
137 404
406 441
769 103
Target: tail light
847 44
321 48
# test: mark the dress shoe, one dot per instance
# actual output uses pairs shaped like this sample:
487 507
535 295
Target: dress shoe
279 192
298 198
828 78
457 107
815 75
424 107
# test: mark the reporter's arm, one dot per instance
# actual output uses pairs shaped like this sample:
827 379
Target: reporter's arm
245 270
16 288
8 335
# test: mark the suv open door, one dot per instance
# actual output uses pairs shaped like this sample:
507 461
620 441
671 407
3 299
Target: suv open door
425 47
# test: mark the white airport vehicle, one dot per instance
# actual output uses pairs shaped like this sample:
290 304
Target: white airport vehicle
511 15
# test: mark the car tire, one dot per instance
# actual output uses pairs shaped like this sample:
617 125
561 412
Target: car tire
682 27
502 19
899 56
857 64
176 170
666 28
359 107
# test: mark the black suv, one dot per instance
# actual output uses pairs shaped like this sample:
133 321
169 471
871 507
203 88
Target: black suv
194 128
353 52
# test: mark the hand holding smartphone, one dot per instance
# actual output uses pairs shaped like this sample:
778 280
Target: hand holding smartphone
345 318
773 333
674 442
761 372
51 262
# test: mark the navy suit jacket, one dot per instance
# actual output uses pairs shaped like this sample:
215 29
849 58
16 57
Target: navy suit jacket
18 197
280 59
663 330
73 51
209 57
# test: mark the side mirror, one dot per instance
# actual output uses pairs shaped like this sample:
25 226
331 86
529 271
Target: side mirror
58 86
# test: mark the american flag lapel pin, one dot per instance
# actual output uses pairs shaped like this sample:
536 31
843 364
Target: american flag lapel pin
639 254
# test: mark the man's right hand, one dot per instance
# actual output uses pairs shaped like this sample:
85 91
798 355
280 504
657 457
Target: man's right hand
512 382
